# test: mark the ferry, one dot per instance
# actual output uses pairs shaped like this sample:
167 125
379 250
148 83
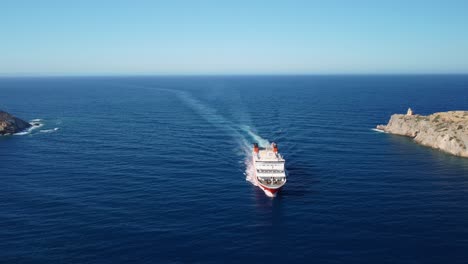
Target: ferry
270 173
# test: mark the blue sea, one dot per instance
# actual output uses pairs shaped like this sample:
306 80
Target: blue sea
155 170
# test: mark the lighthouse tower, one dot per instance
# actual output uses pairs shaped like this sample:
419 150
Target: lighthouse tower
410 112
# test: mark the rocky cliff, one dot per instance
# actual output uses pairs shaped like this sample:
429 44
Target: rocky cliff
446 131
10 124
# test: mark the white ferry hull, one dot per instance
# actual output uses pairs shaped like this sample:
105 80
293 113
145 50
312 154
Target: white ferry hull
268 190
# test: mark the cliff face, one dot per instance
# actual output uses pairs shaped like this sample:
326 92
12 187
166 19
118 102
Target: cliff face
10 124
447 131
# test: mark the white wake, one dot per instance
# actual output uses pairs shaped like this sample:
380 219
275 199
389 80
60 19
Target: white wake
242 133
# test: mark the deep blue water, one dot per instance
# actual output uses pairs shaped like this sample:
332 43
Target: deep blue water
152 170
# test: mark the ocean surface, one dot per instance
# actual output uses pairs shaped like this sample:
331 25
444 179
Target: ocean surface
155 170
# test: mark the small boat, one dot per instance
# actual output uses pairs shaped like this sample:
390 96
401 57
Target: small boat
270 173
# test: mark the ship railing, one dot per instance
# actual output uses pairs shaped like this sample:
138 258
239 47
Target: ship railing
272 181
270 171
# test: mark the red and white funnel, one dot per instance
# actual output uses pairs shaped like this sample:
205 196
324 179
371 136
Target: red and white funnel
255 148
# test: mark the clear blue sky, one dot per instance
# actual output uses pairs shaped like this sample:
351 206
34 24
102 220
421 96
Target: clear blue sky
232 37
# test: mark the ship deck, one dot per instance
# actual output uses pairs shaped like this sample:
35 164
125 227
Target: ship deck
268 155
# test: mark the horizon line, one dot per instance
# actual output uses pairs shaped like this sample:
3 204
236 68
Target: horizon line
225 74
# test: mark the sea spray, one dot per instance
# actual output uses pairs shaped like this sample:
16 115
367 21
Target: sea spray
49 130
36 123
249 170
378 130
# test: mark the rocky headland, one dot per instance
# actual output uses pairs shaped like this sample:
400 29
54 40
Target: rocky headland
446 131
10 124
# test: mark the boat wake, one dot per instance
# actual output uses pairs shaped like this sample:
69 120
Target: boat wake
244 134
240 131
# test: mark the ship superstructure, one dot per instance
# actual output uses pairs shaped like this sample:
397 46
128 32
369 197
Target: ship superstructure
270 172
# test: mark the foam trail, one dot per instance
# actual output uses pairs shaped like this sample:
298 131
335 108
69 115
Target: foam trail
242 133
213 117
210 115
261 141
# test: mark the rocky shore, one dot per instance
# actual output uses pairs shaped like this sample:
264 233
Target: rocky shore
10 124
446 131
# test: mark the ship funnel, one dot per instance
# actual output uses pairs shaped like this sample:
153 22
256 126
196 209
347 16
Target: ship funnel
275 147
255 147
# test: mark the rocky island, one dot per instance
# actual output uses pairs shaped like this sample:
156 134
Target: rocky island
446 131
10 124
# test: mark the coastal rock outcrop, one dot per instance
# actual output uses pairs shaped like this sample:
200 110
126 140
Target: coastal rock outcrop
446 131
10 124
